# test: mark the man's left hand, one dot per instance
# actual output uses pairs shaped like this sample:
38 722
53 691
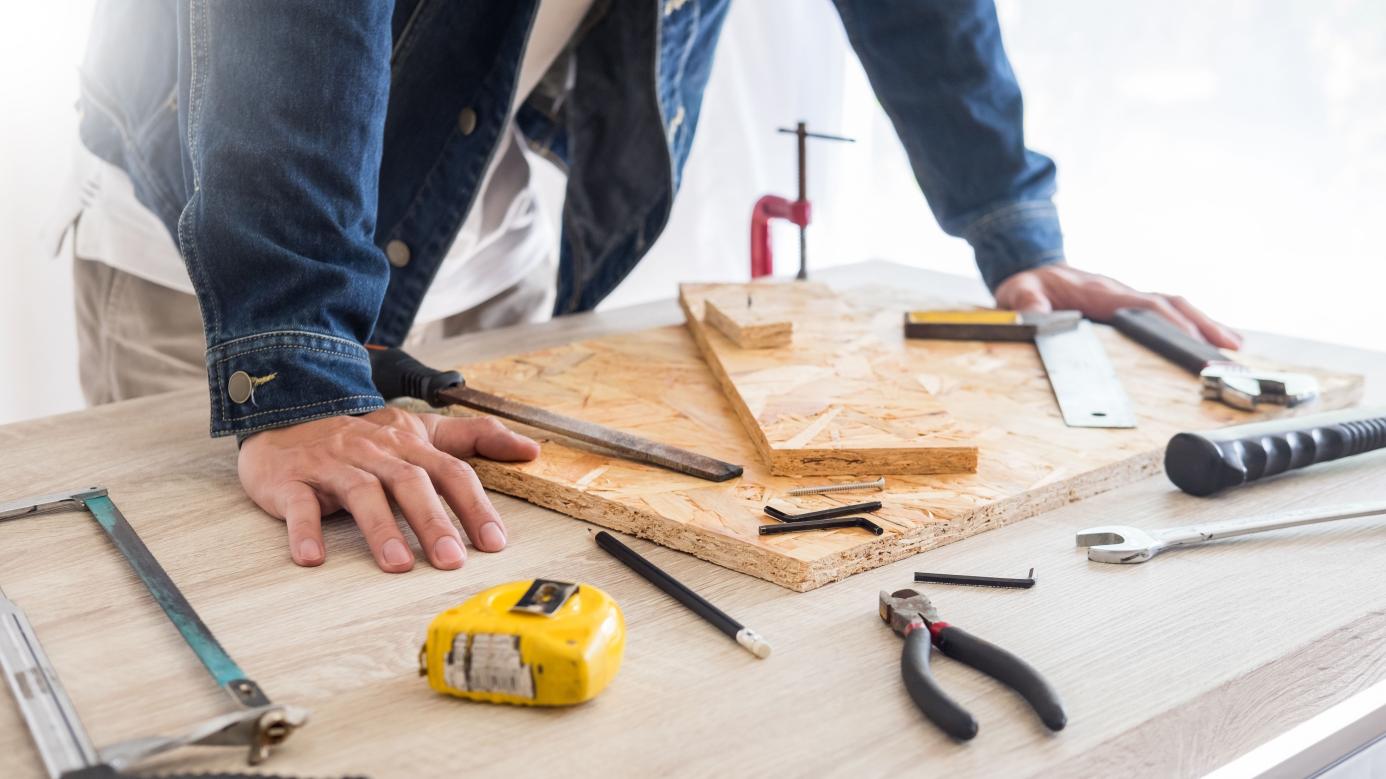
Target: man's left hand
1059 287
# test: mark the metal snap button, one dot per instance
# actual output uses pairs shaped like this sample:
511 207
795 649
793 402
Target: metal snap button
397 252
239 388
466 121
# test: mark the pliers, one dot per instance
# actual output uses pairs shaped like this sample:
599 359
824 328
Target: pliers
913 616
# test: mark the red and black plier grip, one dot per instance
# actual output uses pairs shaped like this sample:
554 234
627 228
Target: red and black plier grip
915 621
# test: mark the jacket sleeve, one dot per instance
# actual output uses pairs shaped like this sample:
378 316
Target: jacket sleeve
281 110
941 73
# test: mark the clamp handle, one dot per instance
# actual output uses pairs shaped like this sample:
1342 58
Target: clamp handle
1204 463
398 375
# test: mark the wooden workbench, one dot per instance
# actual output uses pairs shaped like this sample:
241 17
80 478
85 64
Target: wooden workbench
1168 668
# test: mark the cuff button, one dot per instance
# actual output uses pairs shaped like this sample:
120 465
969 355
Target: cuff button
239 387
397 252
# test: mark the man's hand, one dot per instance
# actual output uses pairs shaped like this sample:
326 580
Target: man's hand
301 472
1055 287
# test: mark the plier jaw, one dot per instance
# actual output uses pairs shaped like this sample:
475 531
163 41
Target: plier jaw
905 610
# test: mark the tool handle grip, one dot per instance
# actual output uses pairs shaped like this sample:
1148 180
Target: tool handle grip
1159 335
397 375
1202 464
928 696
1006 668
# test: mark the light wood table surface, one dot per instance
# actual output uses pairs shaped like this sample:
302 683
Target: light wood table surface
1168 668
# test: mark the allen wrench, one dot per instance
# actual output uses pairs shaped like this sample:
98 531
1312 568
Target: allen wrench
836 511
821 524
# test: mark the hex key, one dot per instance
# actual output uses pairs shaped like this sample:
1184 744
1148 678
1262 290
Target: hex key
821 524
839 511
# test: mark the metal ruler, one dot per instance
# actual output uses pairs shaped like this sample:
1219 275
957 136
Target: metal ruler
1084 383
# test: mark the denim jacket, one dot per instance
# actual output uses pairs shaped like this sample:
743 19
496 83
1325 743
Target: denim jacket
315 160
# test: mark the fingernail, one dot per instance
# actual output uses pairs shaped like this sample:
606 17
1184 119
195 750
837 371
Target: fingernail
396 553
309 551
446 551
492 537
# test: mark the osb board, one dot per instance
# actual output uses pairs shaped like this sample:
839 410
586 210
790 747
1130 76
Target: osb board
747 326
655 383
837 400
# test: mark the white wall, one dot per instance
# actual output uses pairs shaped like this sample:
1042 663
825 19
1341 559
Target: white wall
1234 152
40 46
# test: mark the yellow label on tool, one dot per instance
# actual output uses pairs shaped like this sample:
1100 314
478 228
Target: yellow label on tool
971 316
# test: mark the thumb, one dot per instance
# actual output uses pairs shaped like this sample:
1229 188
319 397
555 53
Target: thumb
1023 294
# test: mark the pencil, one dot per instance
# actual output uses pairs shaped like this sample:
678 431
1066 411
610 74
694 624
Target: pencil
696 603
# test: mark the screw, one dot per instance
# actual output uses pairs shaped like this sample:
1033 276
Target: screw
878 484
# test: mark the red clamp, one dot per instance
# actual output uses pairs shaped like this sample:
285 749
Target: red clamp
797 211
767 208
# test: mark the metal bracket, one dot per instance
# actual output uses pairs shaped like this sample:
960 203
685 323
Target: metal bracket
44 504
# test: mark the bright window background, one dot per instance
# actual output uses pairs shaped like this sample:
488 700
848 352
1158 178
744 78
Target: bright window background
1232 152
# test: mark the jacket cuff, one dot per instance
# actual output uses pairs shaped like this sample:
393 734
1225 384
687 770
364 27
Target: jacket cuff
1016 237
286 377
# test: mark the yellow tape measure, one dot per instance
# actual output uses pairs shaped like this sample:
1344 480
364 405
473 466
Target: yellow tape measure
535 642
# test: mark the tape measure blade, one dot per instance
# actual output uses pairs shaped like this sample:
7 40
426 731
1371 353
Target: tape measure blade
1084 382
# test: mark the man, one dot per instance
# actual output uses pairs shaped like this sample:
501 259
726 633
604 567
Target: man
335 173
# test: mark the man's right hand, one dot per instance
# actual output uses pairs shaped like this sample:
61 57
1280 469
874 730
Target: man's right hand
301 472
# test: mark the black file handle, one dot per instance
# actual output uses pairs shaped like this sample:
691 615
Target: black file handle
1204 463
1159 335
397 375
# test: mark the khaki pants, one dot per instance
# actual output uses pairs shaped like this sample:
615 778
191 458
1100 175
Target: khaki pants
138 338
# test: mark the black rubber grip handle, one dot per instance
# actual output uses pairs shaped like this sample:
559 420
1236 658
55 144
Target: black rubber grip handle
1159 335
1006 668
928 696
397 375
1204 463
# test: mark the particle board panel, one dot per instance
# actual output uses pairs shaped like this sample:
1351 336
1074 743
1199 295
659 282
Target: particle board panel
655 383
837 400
748 326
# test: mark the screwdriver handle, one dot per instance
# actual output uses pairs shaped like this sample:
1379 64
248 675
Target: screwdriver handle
1204 463
398 375
1159 335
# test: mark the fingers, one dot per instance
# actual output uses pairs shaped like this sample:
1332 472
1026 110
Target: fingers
1160 305
302 514
362 495
1024 292
466 436
462 490
1213 331
412 488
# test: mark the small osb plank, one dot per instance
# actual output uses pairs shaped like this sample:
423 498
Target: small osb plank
746 325
837 400
656 384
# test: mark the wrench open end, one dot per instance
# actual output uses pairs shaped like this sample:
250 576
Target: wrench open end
1119 544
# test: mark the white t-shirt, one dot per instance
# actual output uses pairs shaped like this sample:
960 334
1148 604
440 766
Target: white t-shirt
504 238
